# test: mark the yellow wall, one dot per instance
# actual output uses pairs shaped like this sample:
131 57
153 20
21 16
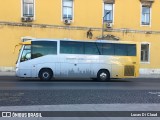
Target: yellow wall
87 14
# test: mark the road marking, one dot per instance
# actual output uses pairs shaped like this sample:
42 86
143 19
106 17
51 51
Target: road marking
155 93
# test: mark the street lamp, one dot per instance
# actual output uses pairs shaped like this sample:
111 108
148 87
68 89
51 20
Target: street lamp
103 23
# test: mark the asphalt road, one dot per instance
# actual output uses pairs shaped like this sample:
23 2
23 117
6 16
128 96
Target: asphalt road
19 92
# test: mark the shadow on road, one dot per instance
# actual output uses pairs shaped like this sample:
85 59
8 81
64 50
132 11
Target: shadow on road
16 79
72 80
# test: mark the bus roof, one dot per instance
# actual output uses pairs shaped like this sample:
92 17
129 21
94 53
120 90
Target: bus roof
98 41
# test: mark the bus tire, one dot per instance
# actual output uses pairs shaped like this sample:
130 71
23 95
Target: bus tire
45 74
103 75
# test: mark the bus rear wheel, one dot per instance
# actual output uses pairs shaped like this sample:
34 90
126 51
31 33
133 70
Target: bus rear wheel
45 74
103 75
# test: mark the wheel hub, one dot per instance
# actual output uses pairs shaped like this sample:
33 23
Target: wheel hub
45 75
103 76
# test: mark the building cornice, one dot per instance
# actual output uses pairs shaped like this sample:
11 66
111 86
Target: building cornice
109 1
147 2
31 25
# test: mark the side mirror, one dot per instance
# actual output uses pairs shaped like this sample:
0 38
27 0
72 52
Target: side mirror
28 56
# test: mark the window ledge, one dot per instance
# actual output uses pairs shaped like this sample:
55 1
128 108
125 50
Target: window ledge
145 25
145 62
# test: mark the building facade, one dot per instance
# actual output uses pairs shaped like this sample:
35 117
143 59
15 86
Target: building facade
128 20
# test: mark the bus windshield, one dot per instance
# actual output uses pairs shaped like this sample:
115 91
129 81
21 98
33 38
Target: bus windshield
26 53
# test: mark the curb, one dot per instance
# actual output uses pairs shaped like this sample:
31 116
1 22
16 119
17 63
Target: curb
9 73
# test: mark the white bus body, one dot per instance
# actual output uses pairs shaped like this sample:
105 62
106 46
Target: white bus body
63 63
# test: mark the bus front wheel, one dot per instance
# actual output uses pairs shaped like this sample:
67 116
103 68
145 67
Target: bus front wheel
45 74
103 75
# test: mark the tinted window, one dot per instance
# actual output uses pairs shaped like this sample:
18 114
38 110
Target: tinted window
108 49
41 48
70 47
91 48
121 49
131 50
117 49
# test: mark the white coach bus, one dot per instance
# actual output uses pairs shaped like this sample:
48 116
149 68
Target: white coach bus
102 60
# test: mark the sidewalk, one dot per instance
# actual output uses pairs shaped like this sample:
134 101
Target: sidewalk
149 76
85 107
88 107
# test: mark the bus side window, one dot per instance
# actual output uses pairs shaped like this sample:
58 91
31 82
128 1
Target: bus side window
131 48
42 48
121 49
108 49
70 47
91 48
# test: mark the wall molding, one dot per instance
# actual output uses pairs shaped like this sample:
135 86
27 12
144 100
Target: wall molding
123 30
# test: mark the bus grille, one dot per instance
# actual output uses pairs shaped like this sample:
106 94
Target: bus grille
129 70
